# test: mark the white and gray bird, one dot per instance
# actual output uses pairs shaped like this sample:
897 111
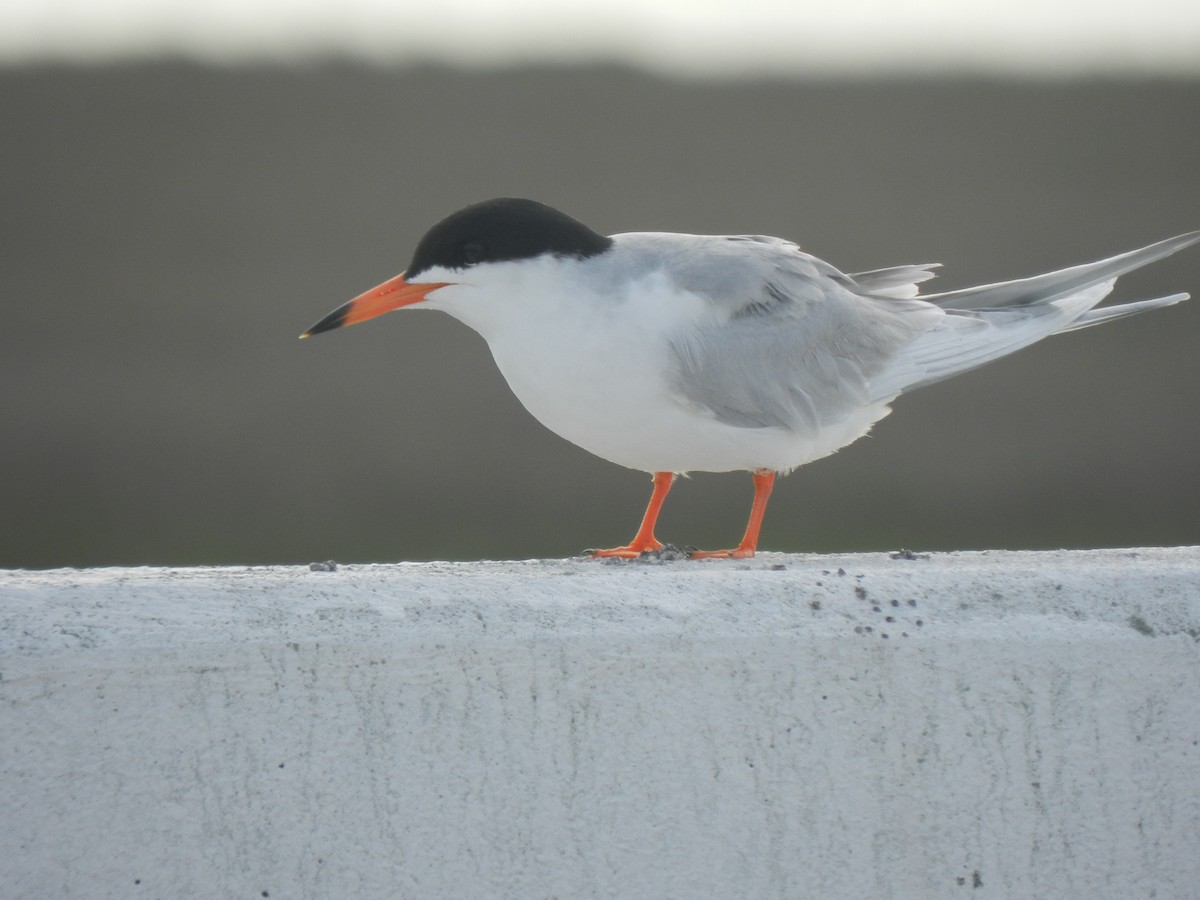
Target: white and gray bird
671 353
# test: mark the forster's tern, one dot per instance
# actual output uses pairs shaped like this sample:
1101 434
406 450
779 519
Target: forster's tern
677 352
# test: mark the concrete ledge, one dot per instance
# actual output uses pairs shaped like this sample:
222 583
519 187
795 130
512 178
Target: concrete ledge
965 725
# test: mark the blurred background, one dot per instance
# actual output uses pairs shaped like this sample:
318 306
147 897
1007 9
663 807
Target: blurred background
185 188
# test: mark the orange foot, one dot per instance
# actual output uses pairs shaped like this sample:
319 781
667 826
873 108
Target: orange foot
644 541
764 480
632 550
736 553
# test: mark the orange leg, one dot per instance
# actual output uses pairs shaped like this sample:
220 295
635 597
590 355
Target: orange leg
644 540
764 480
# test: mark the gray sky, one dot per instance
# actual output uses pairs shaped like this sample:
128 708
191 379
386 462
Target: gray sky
684 37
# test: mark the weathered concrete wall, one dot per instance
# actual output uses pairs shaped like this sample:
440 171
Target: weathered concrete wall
966 725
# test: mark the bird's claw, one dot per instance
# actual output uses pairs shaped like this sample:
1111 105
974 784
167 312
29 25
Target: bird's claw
660 553
736 553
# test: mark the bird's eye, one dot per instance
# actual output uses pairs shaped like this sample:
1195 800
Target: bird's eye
470 252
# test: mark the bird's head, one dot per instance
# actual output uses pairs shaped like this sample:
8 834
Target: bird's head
463 248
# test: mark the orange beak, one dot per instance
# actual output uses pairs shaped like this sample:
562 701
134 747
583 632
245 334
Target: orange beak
394 293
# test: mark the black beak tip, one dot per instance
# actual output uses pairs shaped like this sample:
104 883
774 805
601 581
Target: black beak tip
335 319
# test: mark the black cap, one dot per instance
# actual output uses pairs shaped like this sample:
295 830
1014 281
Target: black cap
503 229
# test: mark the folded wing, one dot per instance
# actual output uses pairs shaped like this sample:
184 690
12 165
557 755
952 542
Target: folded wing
804 346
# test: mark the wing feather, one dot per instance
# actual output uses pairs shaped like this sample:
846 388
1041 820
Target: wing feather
798 345
799 350
1053 285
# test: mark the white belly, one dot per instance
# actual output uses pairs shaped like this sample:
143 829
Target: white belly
606 387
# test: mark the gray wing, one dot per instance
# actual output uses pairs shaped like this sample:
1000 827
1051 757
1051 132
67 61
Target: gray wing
800 345
797 344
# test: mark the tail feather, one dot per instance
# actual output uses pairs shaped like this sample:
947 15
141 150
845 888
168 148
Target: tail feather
984 323
1120 311
898 282
966 339
1053 285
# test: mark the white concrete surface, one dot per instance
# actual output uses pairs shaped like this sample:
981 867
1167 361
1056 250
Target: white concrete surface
968 725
